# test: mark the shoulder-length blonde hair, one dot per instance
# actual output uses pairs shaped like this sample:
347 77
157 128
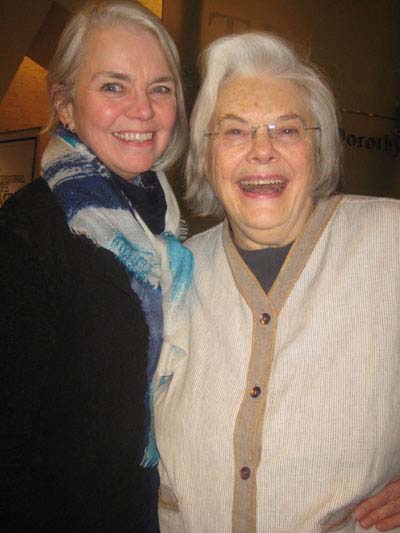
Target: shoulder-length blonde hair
249 54
71 49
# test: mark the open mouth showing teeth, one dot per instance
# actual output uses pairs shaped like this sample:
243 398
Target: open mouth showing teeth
134 136
267 186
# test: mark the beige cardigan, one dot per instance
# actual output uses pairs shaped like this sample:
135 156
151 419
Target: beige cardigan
286 411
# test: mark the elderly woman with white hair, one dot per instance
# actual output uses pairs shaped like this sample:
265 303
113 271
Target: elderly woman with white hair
286 412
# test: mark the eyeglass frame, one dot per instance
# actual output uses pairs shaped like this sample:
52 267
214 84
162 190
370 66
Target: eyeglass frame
270 127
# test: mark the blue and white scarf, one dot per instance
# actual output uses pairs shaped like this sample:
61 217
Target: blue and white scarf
160 268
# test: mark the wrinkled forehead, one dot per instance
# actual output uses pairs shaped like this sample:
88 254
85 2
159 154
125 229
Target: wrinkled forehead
121 49
262 97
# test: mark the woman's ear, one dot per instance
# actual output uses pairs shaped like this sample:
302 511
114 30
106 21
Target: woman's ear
64 108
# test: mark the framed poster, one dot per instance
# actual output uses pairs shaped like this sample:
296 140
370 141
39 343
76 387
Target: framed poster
17 160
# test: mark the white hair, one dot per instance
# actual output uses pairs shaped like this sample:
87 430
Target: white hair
253 54
71 49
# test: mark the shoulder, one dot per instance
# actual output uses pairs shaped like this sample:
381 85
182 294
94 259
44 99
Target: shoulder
32 215
208 252
35 239
366 222
352 202
36 190
371 211
30 207
206 239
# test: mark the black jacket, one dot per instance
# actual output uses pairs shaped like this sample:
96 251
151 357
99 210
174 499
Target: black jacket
73 379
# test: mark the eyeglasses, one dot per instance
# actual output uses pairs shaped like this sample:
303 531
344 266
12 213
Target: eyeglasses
283 131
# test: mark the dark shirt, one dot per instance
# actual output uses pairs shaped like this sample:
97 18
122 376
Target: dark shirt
265 263
146 196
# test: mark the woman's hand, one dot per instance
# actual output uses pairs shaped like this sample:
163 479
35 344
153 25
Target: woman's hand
382 509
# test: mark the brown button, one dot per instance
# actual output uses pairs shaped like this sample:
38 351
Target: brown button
245 472
255 391
264 319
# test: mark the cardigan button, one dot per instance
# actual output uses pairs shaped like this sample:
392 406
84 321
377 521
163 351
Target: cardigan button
245 472
264 319
255 391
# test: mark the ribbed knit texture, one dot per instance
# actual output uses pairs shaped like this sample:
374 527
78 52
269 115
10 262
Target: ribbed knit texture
330 427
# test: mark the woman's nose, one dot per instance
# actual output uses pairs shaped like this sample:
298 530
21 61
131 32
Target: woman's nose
262 146
140 107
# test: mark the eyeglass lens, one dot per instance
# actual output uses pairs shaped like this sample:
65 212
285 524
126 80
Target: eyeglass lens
282 131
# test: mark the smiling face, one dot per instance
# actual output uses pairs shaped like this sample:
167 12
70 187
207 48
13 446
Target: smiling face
124 104
264 186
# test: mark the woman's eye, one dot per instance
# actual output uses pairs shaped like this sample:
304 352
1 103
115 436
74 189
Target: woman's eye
161 89
111 87
234 132
288 132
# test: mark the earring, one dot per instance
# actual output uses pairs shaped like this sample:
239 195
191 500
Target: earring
71 129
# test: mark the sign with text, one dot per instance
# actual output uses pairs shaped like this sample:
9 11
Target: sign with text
371 145
17 162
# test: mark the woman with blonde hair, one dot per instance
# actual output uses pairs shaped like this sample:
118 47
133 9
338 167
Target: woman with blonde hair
90 255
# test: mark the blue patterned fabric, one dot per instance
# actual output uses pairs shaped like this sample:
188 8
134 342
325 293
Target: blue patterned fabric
160 267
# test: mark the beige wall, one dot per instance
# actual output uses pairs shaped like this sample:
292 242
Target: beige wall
19 23
25 104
